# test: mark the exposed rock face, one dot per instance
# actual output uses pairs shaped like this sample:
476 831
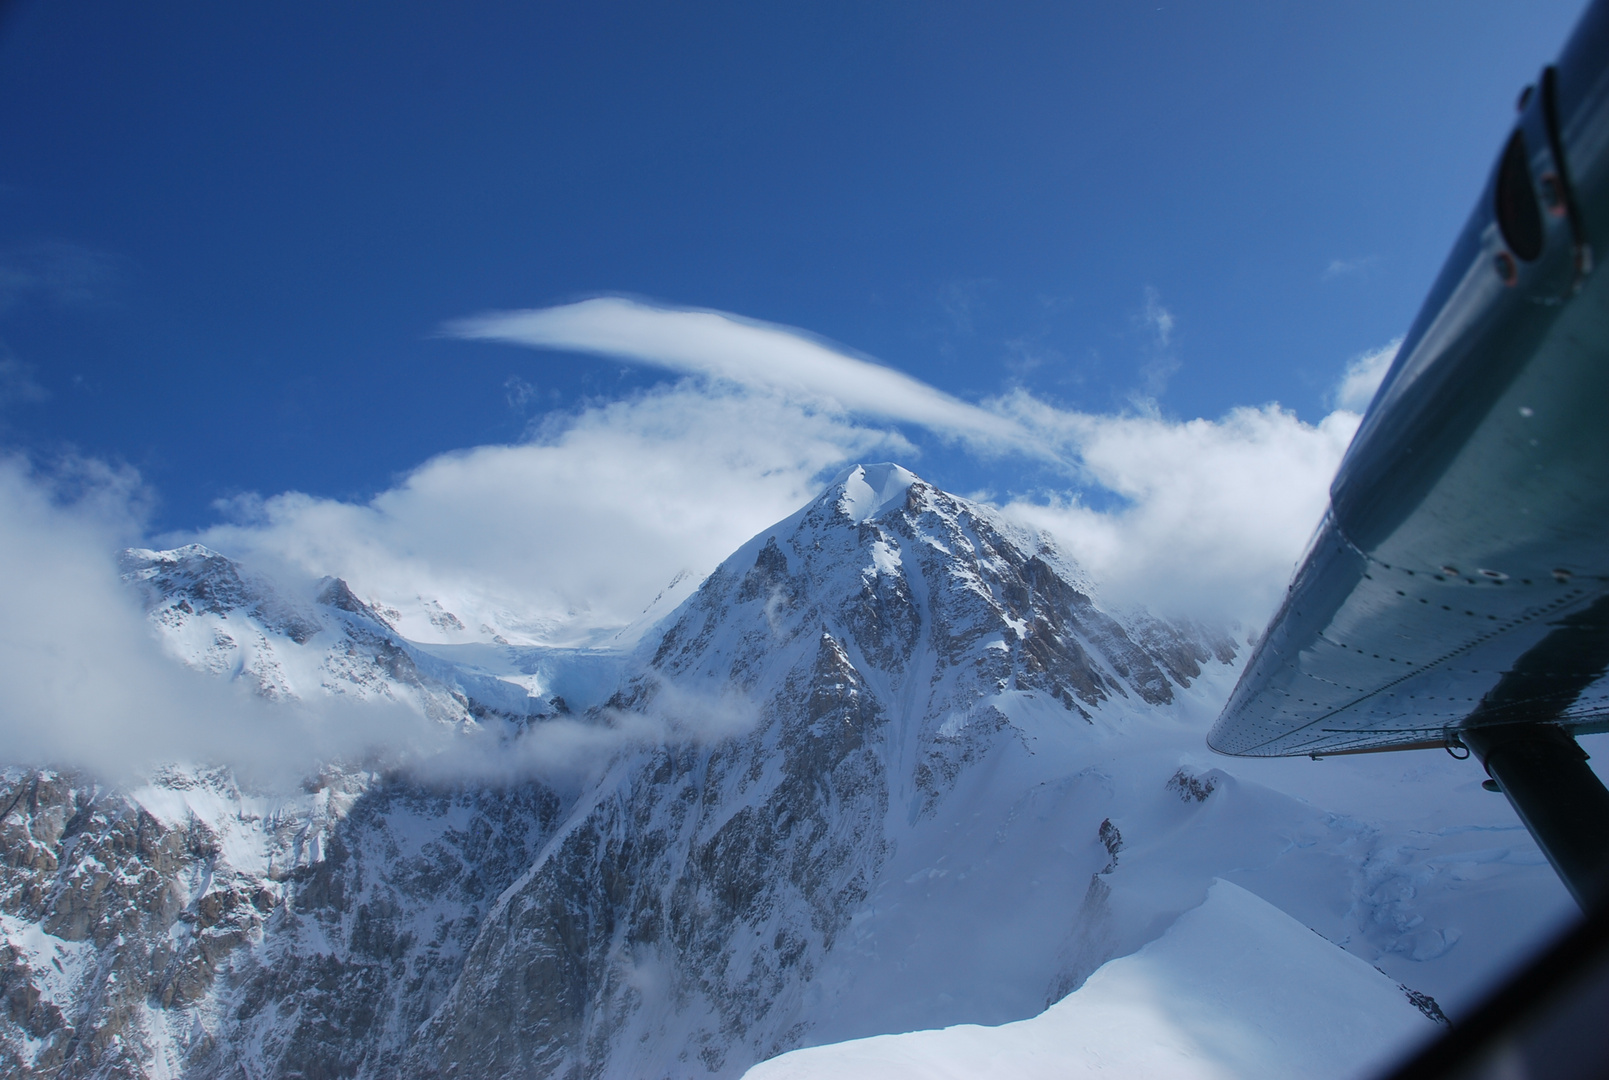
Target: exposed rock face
692 908
380 928
188 927
689 905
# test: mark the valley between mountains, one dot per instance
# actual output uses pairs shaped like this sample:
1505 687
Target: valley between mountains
892 767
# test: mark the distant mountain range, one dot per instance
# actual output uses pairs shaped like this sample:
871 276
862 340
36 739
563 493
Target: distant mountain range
892 766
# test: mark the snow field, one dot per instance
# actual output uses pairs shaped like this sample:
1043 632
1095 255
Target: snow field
1235 990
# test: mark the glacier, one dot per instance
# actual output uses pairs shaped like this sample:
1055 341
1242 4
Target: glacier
891 767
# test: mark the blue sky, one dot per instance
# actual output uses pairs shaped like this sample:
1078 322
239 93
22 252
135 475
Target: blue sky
231 236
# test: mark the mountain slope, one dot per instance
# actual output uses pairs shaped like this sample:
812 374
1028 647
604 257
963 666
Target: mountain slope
880 645
216 616
891 767
1235 990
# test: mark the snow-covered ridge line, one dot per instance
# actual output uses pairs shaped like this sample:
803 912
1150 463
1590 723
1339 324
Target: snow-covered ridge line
1235 988
217 616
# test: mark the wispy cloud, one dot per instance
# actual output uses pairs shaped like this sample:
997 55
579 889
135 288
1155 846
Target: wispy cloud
1363 376
17 382
1161 363
961 302
763 356
59 273
566 746
1158 318
1209 514
1360 267
1024 355
84 681
1208 517
573 532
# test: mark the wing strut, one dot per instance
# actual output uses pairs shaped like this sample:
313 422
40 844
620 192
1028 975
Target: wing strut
1544 774
1537 764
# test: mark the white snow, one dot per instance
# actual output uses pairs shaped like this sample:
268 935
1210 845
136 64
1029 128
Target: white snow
868 490
1235 989
54 961
55 968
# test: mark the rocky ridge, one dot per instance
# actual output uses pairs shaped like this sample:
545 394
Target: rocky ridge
218 617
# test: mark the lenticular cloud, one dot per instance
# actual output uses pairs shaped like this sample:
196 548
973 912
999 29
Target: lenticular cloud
750 353
1208 515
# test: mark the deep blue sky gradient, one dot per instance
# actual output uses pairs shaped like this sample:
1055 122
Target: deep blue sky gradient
229 232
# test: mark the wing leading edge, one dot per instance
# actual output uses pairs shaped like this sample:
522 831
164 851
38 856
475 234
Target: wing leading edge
1457 592
1461 575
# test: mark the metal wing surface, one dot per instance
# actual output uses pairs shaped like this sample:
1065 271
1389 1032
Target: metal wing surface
1461 575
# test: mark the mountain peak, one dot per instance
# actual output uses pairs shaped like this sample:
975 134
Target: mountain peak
864 491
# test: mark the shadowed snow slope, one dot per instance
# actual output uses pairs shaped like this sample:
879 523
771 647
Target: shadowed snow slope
1235 989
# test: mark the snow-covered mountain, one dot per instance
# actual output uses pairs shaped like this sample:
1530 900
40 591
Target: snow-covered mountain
879 659
891 767
216 616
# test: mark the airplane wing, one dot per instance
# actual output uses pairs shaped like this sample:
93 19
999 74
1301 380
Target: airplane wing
1457 591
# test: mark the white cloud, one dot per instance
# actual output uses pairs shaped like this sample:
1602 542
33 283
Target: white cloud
779 359
1350 267
577 530
1212 513
1362 377
84 681
1162 366
566 746
59 273
570 535
1158 318
17 383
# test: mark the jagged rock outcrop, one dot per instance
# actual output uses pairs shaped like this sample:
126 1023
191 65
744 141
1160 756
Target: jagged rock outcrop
191 928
